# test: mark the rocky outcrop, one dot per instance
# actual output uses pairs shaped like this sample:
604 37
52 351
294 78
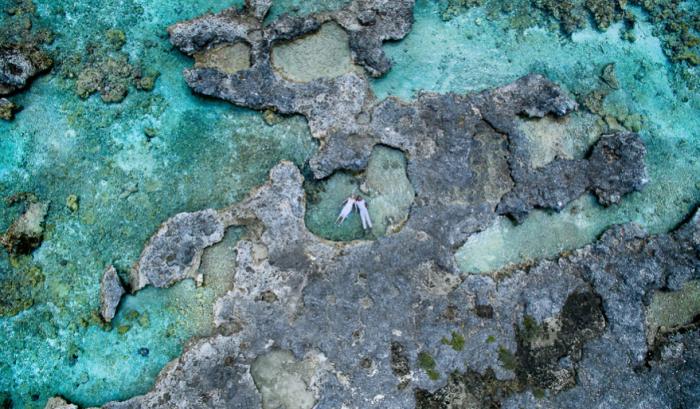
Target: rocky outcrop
394 318
614 168
111 292
23 56
175 251
59 403
26 233
467 158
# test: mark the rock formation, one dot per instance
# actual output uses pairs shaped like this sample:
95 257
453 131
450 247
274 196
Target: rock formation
393 323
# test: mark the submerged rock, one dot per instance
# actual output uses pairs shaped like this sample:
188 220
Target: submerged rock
19 65
111 292
26 233
284 382
8 109
59 403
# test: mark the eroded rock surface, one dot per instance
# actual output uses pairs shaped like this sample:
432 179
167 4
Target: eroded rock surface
571 331
175 251
111 292
468 158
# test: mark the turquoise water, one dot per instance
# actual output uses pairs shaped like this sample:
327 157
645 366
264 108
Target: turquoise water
205 153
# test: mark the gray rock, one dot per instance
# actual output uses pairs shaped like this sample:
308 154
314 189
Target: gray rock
175 251
467 158
572 328
614 168
111 292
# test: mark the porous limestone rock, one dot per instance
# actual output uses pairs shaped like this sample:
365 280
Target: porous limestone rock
466 154
570 331
175 251
572 328
111 292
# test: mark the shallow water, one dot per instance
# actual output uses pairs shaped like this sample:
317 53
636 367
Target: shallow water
206 153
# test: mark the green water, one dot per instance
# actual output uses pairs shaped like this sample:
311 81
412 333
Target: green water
206 153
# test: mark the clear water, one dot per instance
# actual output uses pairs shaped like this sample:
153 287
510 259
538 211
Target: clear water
205 154
208 154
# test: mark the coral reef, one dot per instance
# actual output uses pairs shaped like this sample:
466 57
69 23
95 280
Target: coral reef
301 321
106 70
18 287
8 109
19 65
677 24
395 299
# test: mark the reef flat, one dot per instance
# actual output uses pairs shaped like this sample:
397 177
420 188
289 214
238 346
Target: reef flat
265 301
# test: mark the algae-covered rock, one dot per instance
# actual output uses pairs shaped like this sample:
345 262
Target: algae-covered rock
111 292
8 109
670 310
116 38
72 203
26 233
19 287
106 70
